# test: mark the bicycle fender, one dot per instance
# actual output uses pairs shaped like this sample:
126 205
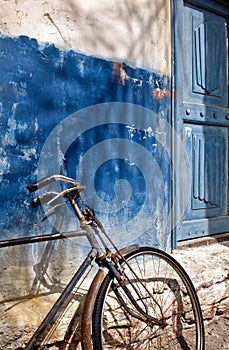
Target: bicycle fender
86 323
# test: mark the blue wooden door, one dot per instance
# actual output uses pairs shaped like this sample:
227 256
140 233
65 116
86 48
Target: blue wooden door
201 118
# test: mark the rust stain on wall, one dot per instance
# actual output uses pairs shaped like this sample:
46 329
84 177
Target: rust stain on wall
119 72
160 93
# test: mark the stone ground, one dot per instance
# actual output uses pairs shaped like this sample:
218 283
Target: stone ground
217 335
207 262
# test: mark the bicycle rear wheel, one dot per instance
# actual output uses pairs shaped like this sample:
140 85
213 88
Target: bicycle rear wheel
168 314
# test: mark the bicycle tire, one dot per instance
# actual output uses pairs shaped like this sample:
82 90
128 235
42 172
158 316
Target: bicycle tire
170 297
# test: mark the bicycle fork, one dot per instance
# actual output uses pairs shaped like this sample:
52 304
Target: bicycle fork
140 314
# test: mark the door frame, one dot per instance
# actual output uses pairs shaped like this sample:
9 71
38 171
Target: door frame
220 7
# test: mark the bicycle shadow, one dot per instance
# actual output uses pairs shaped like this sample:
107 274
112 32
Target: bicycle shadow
45 288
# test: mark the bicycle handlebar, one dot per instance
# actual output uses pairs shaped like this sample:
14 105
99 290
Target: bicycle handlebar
50 179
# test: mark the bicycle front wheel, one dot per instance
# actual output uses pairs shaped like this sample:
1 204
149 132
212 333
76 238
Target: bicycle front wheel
166 314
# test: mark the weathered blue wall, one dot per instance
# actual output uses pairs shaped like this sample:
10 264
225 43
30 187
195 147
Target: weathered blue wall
40 86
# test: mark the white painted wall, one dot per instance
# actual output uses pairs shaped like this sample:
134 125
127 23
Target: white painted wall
137 32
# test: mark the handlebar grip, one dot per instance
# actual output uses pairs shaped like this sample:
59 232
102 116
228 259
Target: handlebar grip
41 183
32 187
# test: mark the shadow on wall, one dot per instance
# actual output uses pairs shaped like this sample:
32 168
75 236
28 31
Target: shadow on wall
137 32
137 29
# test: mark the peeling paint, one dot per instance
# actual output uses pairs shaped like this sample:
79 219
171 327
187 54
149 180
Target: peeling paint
10 133
36 126
22 126
149 131
121 75
4 165
131 130
29 154
81 67
119 72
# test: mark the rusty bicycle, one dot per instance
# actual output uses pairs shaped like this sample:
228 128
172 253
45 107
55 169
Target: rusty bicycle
140 297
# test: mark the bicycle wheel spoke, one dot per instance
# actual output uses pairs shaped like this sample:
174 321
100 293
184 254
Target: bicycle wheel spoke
166 316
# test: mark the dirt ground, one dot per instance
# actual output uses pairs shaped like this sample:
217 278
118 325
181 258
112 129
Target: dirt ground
217 335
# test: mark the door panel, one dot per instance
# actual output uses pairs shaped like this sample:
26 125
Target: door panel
206 147
206 63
